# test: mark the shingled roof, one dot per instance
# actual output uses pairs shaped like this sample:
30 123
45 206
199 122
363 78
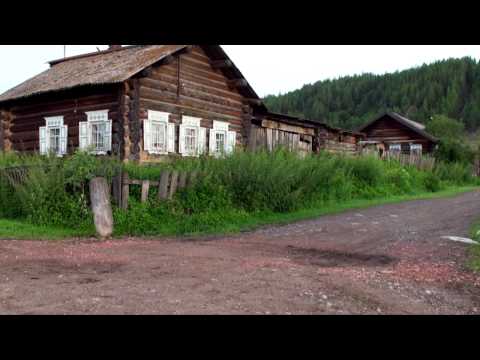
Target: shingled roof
108 67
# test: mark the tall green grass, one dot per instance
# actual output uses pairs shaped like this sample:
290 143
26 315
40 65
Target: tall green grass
240 189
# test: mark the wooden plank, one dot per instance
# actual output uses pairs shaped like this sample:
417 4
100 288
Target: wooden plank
117 190
287 127
173 184
125 190
192 178
269 139
163 185
145 189
182 180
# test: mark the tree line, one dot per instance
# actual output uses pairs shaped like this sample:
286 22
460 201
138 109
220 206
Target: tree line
450 88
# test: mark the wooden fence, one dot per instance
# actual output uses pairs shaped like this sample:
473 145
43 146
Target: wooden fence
15 175
420 161
168 184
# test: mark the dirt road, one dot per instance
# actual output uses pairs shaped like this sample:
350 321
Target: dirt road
384 260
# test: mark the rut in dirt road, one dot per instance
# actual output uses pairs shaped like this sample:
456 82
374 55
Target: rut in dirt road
385 259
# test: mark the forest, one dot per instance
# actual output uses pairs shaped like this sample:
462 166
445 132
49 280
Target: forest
450 88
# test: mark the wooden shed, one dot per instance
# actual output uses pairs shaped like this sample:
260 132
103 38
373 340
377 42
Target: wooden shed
395 133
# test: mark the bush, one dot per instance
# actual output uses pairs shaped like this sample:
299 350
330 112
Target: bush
227 190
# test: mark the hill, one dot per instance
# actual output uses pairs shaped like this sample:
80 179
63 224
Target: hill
449 87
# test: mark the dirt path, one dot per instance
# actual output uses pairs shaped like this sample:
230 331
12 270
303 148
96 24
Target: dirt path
387 259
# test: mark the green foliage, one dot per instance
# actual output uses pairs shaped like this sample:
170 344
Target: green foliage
454 151
230 191
450 87
445 128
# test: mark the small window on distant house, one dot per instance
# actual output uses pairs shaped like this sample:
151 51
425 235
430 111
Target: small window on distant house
53 136
395 148
416 149
96 133
159 134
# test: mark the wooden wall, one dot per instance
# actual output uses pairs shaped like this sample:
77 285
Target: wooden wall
389 130
29 115
189 85
337 142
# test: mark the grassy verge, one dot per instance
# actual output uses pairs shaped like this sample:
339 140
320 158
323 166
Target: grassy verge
10 229
474 258
21 230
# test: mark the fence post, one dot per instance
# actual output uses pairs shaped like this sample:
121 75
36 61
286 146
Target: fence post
173 184
117 189
145 189
101 206
163 185
125 190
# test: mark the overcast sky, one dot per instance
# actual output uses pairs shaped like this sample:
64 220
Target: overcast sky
270 69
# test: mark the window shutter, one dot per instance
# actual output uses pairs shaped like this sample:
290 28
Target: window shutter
108 136
147 135
202 140
181 139
170 138
231 142
43 140
212 145
83 135
63 139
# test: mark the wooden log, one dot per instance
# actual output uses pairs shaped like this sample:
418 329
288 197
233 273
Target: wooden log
182 180
237 83
221 64
145 189
101 207
173 184
125 190
163 185
192 178
117 190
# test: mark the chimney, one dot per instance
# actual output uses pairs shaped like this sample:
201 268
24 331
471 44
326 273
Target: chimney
114 47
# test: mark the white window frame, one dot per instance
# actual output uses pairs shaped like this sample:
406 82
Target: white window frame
158 118
53 123
416 148
395 148
222 127
99 117
192 123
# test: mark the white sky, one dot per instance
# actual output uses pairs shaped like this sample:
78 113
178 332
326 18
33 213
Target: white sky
270 69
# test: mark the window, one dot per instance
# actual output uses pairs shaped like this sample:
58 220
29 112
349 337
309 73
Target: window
190 140
192 137
96 132
222 141
159 134
395 148
53 136
416 149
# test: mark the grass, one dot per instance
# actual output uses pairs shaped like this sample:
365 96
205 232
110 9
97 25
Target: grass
22 230
14 229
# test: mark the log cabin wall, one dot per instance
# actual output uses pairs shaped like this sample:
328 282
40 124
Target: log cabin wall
390 131
189 85
337 142
25 117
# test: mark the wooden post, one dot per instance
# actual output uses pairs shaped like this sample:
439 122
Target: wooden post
145 189
182 180
163 185
101 206
192 178
125 190
173 184
117 190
